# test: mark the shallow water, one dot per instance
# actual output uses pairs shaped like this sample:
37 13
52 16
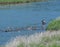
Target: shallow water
25 15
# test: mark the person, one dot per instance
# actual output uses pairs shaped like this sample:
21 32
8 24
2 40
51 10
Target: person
43 24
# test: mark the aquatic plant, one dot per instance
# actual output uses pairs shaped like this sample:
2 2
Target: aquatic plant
43 39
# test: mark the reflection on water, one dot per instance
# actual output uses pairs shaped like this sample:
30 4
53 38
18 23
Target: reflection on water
25 15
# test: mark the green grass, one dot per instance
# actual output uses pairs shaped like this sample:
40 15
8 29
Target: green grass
54 25
11 0
21 0
42 45
21 45
46 42
44 39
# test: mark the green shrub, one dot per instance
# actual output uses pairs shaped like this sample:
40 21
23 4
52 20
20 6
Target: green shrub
54 25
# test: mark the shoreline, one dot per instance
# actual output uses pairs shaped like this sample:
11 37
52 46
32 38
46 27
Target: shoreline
5 3
18 2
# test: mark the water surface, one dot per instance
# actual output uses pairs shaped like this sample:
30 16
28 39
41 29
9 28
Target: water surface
24 15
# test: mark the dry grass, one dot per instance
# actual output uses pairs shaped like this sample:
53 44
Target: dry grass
43 39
